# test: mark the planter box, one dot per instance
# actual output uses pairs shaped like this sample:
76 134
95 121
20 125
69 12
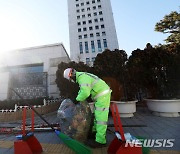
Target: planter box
164 108
126 109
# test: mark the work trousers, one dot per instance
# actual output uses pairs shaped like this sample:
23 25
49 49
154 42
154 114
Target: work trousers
101 111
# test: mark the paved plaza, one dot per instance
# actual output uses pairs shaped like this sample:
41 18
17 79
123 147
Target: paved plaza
143 124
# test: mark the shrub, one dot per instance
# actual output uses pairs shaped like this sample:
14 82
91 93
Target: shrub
157 71
111 66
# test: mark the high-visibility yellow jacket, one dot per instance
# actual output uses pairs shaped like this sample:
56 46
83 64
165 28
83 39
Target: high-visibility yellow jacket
90 85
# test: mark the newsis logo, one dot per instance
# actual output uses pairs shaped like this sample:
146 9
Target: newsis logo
157 143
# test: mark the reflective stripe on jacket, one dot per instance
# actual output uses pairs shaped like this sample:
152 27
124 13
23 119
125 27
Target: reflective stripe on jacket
90 85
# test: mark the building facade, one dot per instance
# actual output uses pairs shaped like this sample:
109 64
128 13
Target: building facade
31 72
91 29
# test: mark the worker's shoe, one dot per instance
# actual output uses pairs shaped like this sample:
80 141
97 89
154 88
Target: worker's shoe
94 144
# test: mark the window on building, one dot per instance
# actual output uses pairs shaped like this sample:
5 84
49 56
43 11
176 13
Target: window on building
91 35
103 33
85 35
27 69
99 45
96 27
36 69
98 34
94 7
77 11
95 13
89 15
93 59
78 17
83 16
101 19
84 29
77 5
99 6
93 1
98 0
105 43
79 29
92 46
80 47
86 47
96 20
80 36
89 21
87 61
82 4
87 2
100 13
91 28
82 10
88 9
79 23
102 26
84 22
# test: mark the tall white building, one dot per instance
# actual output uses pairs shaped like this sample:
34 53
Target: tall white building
91 29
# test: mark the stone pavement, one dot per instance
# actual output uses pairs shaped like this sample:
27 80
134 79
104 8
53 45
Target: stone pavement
155 128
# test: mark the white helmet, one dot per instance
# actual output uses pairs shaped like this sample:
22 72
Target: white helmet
69 73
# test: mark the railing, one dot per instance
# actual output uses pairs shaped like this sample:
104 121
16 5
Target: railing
20 107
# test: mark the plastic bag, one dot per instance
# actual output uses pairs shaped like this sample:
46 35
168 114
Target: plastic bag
75 120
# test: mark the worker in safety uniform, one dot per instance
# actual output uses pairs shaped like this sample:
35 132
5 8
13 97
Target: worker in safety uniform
101 93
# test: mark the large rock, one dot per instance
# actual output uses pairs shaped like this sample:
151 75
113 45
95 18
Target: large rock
75 120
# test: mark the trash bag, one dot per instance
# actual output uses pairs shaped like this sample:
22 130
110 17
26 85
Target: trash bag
75 120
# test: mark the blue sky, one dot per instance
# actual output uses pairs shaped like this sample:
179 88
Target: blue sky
27 23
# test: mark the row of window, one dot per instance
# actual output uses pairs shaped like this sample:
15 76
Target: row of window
27 69
88 9
88 60
89 14
89 21
90 28
85 48
92 35
87 3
